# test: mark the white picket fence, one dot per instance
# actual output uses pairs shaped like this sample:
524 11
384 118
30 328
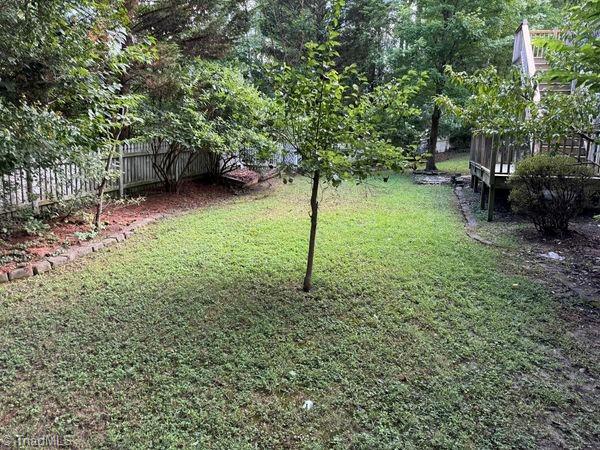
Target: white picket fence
42 187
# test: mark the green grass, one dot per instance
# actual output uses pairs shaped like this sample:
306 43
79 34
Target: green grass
195 334
458 162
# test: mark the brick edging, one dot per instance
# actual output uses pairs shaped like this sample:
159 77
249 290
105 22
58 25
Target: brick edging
469 217
77 252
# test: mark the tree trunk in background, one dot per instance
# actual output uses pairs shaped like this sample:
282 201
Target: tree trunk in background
314 212
433 137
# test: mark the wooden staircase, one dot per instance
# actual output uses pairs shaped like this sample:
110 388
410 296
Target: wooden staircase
532 59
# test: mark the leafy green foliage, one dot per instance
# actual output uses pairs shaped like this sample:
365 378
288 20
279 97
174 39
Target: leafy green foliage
550 190
542 14
171 116
497 104
237 112
333 124
195 106
86 235
56 57
506 106
32 135
284 27
576 56
35 227
365 35
467 35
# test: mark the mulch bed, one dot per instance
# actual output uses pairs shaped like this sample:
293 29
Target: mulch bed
20 249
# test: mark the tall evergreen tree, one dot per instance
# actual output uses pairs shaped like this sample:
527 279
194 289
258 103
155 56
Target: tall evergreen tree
367 36
207 28
365 27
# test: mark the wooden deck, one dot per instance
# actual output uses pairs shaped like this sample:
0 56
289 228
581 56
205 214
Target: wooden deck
493 159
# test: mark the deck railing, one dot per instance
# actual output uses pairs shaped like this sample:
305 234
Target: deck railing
523 50
500 155
538 51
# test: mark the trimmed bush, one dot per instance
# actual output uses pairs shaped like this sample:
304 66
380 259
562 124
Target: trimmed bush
550 190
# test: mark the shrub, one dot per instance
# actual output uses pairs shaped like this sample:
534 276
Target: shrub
35 227
550 190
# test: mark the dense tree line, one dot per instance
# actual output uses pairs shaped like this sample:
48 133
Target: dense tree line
59 56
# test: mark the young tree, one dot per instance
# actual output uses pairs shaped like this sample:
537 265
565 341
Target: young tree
332 124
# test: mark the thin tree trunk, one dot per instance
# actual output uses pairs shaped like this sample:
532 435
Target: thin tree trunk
101 188
314 212
433 137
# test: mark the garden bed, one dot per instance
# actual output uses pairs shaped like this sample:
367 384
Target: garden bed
20 249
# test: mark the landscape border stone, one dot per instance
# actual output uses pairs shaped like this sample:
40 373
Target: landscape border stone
57 261
73 253
41 267
20 273
471 221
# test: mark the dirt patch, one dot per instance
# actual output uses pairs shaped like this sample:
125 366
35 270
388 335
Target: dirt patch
569 267
21 249
573 260
434 177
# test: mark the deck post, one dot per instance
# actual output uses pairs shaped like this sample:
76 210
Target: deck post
476 185
472 181
492 189
491 200
482 196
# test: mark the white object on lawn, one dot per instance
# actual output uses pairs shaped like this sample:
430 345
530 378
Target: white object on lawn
553 255
308 405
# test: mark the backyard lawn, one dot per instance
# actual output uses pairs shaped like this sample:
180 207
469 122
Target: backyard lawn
195 334
457 162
